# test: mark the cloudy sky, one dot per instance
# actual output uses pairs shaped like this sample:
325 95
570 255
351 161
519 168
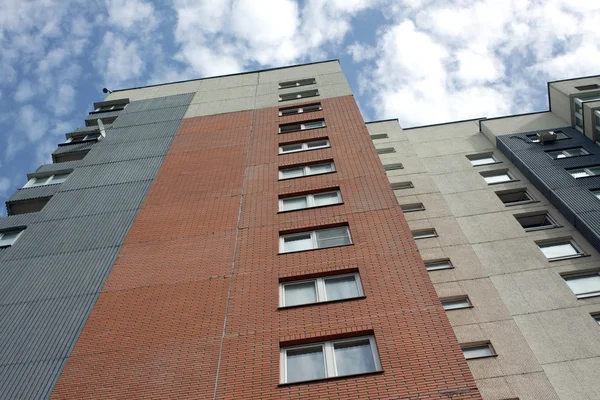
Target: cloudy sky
422 61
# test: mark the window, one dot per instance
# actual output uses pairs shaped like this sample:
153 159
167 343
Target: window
596 317
329 359
515 196
379 136
298 95
424 233
82 138
536 221
113 107
386 150
455 303
412 207
317 239
300 110
7 238
402 185
47 180
596 193
482 350
482 159
559 136
320 123
588 87
70 156
578 108
301 82
584 285
304 146
574 152
493 177
318 290
313 169
310 200
438 264
391 167
584 172
560 250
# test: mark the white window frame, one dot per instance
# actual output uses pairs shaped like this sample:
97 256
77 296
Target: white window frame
297 83
424 234
456 299
588 172
306 170
525 193
538 214
320 288
578 109
438 265
579 252
14 240
473 158
585 295
86 138
596 193
304 126
305 146
310 200
468 346
313 238
491 174
566 153
298 95
112 107
48 180
328 350
300 110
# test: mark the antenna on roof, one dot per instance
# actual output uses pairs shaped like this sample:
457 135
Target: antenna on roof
101 128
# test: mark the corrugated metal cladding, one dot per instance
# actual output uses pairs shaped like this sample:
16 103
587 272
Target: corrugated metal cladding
572 197
53 273
73 148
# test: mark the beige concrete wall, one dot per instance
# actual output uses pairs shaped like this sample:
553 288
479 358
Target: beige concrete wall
545 338
523 123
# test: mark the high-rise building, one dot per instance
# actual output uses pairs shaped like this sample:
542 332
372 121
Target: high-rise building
250 237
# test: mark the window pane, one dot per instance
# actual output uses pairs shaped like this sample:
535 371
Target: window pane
454 304
314 124
39 181
297 243
438 265
311 108
558 250
8 238
295 203
483 161
341 288
596 193
354 358
323 199
317 143
576 152
305 364
59 178
291 147
292 172
479 351
584 284
300 293
321 168
333 237
497 178
578 173
594 170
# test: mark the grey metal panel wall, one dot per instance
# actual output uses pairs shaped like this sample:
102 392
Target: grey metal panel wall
108 114
53 274
34 192
73 148
572 197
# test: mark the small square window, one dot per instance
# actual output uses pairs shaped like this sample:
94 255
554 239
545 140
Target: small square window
584 285
317 239
300 82
438 265
482 159
310 200
596 317
329 359
560 250
536 221
455 303
318 290
584 172
567 153
386 150
311 169
300 110
402 185
298 95
472 351
424 234
515 196
412 207
391 167
9 237
379 136
494 177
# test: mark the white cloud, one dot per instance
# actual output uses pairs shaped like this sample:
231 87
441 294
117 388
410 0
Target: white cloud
32 122
62 99
24 91
118 60
360 52
136 14
5 185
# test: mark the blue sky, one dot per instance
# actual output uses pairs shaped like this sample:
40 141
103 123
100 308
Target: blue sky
422 61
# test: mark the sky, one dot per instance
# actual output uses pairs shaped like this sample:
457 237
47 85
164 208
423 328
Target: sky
421 61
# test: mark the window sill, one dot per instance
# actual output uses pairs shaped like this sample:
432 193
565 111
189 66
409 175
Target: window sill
282 308
568 257
320 248
85 141
542 228
305 176
587 296
483 165
478 358
310 208
499 183
461 308
518 203
331 378
304 151
302 130
427 237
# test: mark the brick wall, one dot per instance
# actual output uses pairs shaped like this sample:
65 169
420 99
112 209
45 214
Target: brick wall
190 309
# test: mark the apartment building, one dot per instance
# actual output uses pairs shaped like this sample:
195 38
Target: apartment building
237 237
506 216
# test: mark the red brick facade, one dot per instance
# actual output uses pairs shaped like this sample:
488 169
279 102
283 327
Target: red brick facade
190 309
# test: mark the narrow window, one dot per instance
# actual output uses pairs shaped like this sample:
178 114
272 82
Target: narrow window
402 185
472 351
316 239
83 138
47 180
304 146
455 303
412 207
584 285
482 159
300 110
424 233
391 167
584 172
438 265
536 221
567 153
379 136
493 177
310 200
298 95
329 359
386 150
515 196
312 169
318 290
300 82
560 250
286 128
9 237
